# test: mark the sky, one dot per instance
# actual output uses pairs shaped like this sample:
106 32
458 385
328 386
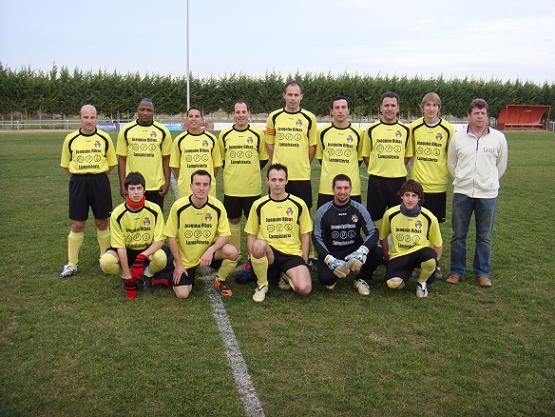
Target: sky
487 39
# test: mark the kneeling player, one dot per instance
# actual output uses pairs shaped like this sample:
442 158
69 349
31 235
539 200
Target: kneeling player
198 235
338 239
278 237
136 235
416 240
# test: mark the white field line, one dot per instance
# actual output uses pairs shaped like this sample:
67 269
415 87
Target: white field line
243 383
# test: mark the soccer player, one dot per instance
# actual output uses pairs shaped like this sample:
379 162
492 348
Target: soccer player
477 160
145 146
291 140
244 153
88 155
198 234
430 140
339 150
192 150
136 230
339 242
416 240
386 150
278 237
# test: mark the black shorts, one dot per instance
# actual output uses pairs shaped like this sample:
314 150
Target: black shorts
283 262
189 279
403 265
324 198
131 254
89 190
155 197
382 194
237 205
435 202
301 189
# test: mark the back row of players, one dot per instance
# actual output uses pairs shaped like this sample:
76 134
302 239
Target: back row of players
202 231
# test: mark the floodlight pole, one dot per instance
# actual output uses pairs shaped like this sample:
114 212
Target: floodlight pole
188 88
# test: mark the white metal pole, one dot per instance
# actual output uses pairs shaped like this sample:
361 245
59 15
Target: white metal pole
188 71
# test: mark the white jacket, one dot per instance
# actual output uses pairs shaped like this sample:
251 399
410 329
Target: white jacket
477 164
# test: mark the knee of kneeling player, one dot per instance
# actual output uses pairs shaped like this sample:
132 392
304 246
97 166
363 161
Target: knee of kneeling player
109 264
158 261
304 287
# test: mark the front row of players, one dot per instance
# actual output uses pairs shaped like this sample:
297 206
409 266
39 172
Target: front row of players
278 239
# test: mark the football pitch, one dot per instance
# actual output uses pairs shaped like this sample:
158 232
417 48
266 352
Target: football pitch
80 348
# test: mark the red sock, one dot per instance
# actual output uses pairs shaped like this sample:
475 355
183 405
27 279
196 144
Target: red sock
130 288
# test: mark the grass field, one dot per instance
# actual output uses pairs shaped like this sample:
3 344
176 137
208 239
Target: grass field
79 348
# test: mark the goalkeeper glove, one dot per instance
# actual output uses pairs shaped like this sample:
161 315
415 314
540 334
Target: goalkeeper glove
138 267
339 267
356 259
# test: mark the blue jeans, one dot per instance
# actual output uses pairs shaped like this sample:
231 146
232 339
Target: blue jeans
484 214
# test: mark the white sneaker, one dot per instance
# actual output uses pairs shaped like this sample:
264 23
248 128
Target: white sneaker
361 286
331 286
68 271
421 290
283 283
260 293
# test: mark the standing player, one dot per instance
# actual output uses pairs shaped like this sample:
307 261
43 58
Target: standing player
88 155
430 140
416 240
136 229
338 239
198 235
291 140
244 153
192 150
278 236
145 146
386 150
339 150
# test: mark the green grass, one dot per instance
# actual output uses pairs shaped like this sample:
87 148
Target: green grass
79 348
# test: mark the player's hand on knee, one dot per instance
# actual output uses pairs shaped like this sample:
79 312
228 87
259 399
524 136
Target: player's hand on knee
339 267
138 267
356 259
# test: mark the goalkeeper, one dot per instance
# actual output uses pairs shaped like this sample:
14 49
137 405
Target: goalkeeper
338 240
136 229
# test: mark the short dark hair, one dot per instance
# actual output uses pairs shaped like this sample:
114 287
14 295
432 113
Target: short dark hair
341 177
202 173
277 167
240 102
134 178
197 109
412 186
292 82
336 98
390 94
145 100
478 103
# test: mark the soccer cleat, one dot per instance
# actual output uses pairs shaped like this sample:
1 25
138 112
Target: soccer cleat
223 288
331 286
68 271
361 286
421 290
283 283
260 293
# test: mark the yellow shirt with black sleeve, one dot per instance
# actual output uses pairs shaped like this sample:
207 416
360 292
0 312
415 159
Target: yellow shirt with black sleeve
340 150
387 146
292 134
136 230
88 153
192 152
144 147
242 151
410 234
430 144
196 229
280 223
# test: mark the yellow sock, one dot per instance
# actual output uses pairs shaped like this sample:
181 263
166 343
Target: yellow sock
427 268
235 235
260 268
226 269
74 243
103 237
311 253
158 261
377 223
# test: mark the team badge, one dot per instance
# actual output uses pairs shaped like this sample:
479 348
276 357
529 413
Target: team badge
354 218
439 136
146 221
398 133
349 139
205 143
250 140
97 145
289 211
418 224
208 217
153 134
299 122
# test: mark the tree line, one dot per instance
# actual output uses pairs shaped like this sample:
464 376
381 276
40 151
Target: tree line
62 91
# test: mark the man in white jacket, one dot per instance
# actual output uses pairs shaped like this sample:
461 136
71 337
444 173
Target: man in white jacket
477 158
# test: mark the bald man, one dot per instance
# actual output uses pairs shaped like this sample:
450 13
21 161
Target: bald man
88 155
